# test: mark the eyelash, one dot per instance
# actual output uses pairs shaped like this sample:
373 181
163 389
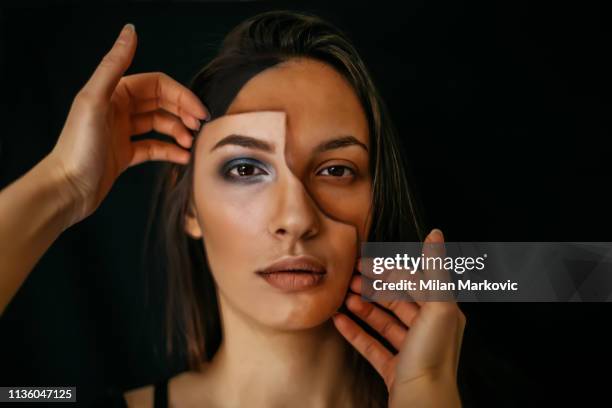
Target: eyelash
245 162
343 167
233 164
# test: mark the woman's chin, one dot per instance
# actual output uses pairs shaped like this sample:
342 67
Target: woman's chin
297 317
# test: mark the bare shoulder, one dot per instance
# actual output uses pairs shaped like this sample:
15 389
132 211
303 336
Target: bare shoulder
141 397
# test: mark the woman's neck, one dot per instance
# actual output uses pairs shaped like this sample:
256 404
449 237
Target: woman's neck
258 366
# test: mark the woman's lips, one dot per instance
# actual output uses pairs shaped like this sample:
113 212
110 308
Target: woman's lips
291 281
293 273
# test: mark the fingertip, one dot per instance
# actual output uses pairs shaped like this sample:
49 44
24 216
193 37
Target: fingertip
183 157
435 235
342 323
126 35
191 122
127 32
358 264
337 318
198 109
187 142
356 283
353 301
204 114
113 65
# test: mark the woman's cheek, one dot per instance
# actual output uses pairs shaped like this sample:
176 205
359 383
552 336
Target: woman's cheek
349 205
231 218
231 207
235 219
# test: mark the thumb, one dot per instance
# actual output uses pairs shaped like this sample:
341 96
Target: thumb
112 67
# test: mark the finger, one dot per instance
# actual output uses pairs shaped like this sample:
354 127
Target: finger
384 323
404 310
461 329
388 276
378 355
156 150
165 92
112 67
434 246
375 274
434 252
372 269
162 122
154 104
365 266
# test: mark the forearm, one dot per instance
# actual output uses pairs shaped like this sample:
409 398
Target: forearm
34 210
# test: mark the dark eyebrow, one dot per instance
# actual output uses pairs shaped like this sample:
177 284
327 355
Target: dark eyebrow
244 141
253 143
337 143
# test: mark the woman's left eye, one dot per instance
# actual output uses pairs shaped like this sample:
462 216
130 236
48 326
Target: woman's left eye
337 171
243 170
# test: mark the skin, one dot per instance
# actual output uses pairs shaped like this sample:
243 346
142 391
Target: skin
291 204
292 207
295 344
93 149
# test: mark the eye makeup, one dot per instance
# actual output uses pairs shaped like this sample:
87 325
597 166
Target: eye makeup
234 171
239 164
242 170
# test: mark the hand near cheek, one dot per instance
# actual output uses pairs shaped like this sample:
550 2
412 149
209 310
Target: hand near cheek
427 335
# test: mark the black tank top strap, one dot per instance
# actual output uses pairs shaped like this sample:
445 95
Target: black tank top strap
161 394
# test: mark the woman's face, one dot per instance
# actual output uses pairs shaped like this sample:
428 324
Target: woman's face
298 184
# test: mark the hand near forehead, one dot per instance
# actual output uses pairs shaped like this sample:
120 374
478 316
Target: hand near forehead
95 145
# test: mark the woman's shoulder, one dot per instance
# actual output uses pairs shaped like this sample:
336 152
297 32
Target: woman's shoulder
140 397
179 387
115 397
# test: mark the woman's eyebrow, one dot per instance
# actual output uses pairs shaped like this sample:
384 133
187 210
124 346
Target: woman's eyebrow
244 141
337 143
254 143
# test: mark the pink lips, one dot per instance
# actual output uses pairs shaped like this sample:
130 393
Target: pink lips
294 273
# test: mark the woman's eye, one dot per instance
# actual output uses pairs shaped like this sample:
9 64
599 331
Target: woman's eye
338 171
244 171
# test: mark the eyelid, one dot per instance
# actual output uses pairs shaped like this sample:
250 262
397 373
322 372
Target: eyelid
352 170
233 163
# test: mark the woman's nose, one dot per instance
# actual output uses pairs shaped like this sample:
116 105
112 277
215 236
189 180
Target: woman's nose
295 216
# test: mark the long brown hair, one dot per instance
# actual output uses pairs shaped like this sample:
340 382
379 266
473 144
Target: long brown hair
262 41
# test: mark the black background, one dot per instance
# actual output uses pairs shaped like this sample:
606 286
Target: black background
504 111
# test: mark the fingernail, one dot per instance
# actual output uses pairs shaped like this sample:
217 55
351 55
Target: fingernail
127 31
436 231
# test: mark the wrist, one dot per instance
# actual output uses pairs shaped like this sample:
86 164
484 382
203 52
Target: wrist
68 202
426 392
